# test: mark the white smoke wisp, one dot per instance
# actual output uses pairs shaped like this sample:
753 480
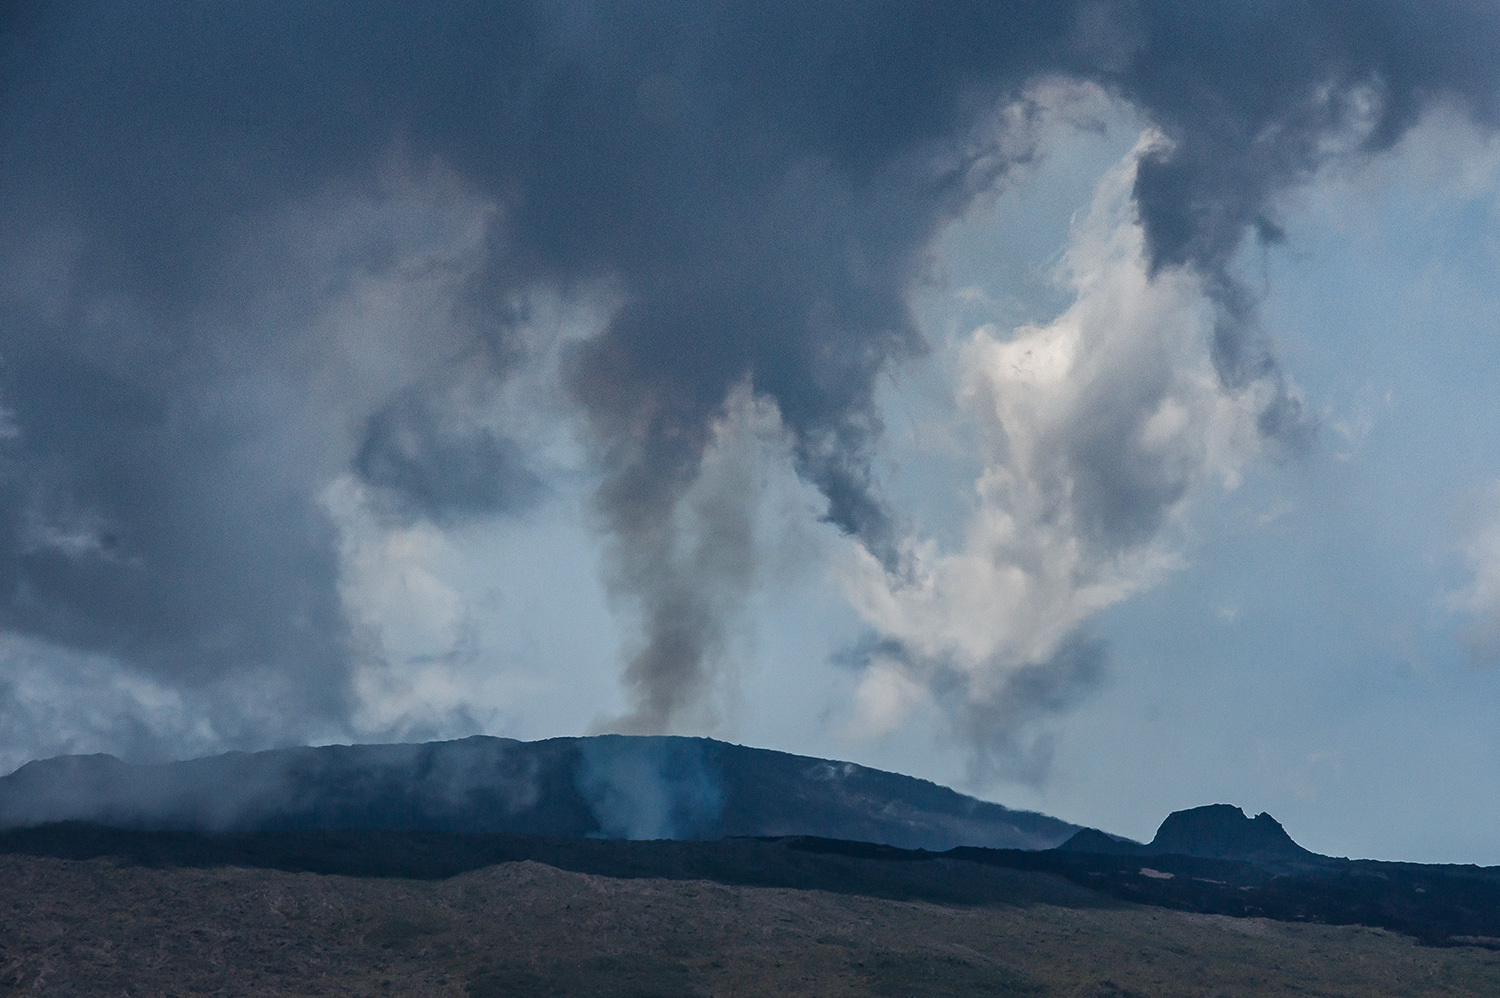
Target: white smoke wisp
1479 601
424 594
1097 430
58 701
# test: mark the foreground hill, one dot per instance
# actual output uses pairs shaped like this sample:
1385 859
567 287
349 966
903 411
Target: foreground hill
525 928
610 786
1239 910
1439 905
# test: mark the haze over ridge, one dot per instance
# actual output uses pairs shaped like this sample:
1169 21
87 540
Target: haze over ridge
607 786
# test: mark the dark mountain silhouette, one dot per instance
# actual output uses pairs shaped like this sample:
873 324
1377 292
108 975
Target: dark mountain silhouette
610 786
1214 859
1221 831
1214 831
1095 841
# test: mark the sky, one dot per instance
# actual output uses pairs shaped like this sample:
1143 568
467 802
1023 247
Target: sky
1082 404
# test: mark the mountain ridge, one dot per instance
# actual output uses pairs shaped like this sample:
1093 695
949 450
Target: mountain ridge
699 810
606 786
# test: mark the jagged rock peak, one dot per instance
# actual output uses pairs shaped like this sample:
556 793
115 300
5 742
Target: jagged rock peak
1223 830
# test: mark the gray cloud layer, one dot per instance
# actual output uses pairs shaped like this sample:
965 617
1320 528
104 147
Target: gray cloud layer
758 182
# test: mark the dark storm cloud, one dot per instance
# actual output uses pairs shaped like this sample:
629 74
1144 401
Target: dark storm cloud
437 471
759 182
1252 94
1256 97
126 529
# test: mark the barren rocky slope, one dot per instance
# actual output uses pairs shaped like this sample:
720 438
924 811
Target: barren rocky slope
528 930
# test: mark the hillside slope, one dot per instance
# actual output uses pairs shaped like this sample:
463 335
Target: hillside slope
610 786
530 930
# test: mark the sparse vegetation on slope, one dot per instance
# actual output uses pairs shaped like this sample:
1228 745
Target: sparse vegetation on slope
528 930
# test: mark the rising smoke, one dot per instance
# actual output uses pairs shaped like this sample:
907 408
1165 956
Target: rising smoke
255 249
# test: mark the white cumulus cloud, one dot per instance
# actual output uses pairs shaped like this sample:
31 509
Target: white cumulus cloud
1097 430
